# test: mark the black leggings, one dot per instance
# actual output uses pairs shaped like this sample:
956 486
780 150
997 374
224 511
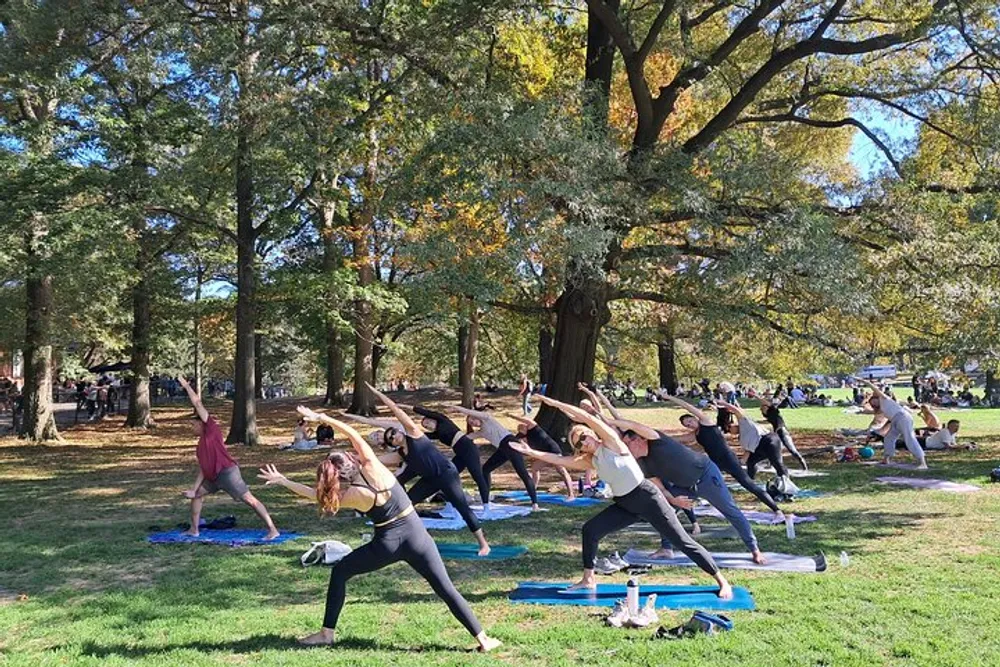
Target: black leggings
450 486
769 448
502 455
728 462
467 458
786 440
643 503
405 540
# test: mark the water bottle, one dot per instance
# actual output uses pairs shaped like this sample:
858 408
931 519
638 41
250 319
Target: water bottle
845 560
366 538
632 597
790 526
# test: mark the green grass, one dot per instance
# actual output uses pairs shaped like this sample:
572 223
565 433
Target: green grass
921 588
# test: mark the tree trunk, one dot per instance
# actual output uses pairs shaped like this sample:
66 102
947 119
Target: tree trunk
362 401
544 354
258 364
38 423
139 412
468 350
244 423
199 380
599 66
582 311
992 385
334 368
668 362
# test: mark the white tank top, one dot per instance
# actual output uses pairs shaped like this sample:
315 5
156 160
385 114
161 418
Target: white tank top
619 471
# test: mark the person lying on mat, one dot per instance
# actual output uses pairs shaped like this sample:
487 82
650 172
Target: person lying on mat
943 439
536 438
359 481
598 446
217 470
680 471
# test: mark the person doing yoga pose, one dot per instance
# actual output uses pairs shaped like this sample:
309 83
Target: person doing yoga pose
710 437
757 442
598 446
443 429
536 438
359 481
488 428
900 425
217 470
773 416
680 471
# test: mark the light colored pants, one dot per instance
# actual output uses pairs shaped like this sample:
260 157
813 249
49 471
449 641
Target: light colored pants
902 425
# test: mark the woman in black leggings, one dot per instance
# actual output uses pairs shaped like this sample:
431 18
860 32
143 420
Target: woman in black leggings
443 429
773 416
760 444
536 438
361 482
424 460
710 437
598 446
487 427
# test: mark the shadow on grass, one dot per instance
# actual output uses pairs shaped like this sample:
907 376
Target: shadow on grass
256 643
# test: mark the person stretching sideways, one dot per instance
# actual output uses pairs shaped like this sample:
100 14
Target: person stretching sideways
598 446
359 481
680 471
756 441
773 416
216 468
710 437
536 437
900 425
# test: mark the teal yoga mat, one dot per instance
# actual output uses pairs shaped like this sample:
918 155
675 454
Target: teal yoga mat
667 597
471 551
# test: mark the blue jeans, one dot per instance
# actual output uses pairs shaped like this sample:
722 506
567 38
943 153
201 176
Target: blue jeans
526 403
713 488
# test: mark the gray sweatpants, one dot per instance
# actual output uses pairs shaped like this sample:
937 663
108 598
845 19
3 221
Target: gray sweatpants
902 426
713 488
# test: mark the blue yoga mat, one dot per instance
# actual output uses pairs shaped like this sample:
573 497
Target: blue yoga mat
667 597
471 551
552 499
229 538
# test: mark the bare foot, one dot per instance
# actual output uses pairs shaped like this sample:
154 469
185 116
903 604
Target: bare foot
535 508
758 558
487 644
272 534
665 554
322 638
696 529
886 462
725 591
582 585
922 466
484 550
191 532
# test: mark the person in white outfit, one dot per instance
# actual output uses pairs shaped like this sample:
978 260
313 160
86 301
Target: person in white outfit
900 424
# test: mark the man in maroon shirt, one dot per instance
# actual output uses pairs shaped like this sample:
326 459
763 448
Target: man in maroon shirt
216 468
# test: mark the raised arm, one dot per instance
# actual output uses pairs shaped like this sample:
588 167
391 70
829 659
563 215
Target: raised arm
875 388
530 423
439 417
695 412
604 400
641 430
729 407
270 475
361 447
572 462
409 425
371 421
194 398
608 436
483 416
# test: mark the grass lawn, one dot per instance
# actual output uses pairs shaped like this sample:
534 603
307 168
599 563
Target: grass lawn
921 588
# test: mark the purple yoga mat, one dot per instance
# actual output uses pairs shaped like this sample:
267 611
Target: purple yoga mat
933 484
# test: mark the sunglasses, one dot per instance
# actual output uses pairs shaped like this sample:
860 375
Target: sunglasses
388 435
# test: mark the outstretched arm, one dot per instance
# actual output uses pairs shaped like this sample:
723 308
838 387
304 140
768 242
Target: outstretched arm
439 417
361 447
698 414
370 421
608 436
483 416
409 425
642 430
604 400
576 463
270 475
194 398
735 409
530 423
875 388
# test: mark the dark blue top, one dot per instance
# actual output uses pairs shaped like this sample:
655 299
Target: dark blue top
423 458
398 502
445 430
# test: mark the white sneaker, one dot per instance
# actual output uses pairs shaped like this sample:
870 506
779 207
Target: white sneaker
647 615
605 566
618 616
615 559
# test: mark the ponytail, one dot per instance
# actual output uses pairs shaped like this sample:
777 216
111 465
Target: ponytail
327 487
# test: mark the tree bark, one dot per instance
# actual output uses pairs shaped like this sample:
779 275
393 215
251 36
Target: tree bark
544 354
334 368
199 380
258 364
581 312
39 423
244 423
468 351
600 62
327 217
362 401
139 408
667 358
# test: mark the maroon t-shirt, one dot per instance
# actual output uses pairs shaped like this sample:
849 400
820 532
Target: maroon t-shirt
213 457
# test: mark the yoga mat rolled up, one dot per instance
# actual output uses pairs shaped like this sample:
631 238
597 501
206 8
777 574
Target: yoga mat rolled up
471 551
605 595
776 562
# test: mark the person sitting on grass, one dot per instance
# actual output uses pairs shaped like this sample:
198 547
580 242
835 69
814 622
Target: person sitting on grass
217 470
325 435
359 481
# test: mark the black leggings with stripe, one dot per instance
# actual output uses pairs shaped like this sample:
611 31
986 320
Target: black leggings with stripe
502 455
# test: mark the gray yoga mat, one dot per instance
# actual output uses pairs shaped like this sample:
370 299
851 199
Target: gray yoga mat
737 561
